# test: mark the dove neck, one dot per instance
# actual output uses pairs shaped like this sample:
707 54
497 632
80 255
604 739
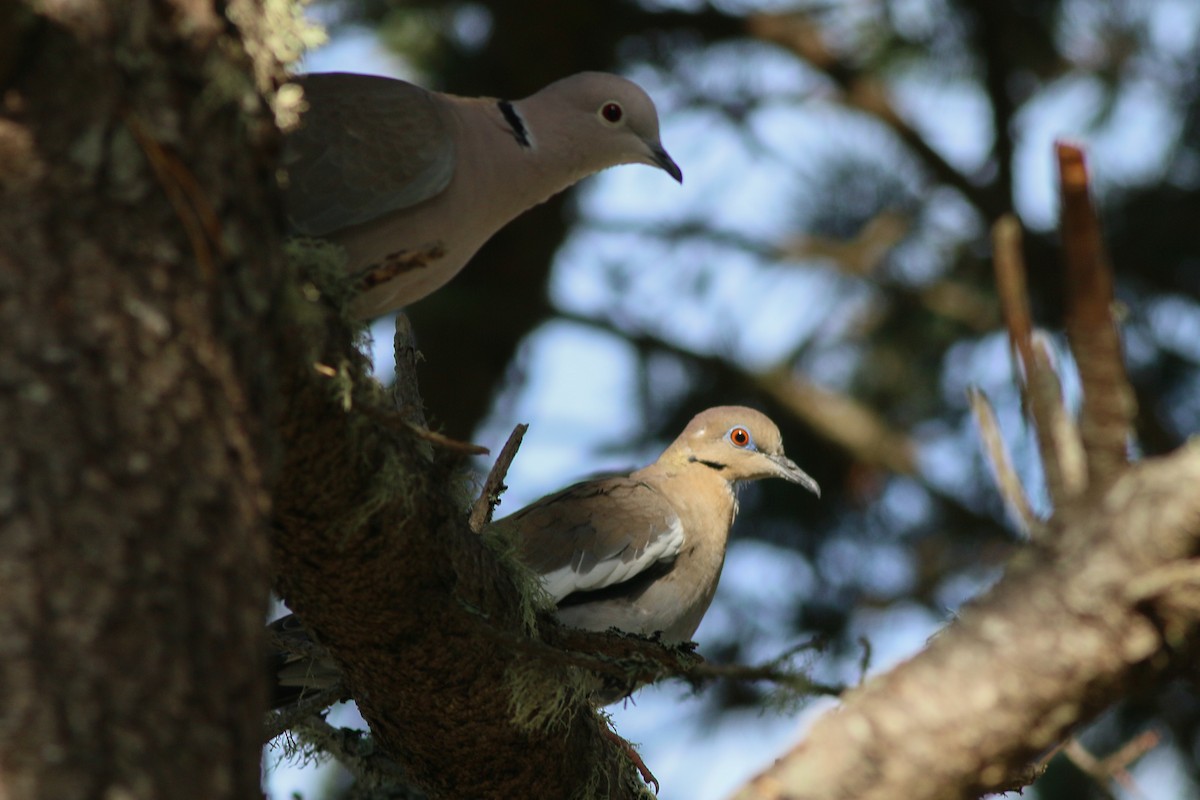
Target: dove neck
521 160
712 495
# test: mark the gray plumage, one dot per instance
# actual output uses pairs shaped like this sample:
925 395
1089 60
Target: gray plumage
412 183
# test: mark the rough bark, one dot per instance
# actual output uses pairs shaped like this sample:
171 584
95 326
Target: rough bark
1070 629
375 555
135 371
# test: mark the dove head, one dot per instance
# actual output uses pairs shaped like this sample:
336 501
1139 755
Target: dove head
740 444
603 120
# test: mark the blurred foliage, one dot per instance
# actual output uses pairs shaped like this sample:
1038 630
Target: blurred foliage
879 214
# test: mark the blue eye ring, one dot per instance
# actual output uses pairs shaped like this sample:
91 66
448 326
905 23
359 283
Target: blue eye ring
739 437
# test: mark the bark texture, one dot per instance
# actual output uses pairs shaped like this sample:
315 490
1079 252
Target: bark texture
1072 626
135 373
375 555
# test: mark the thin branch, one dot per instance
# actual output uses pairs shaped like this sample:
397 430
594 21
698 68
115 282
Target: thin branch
1007 481
777 670
863 91
406 395
1052 644
409 411
625 661
1119 762
1066 444
399 421
1109 406
1114 767
358 753
1011 286
843 420
493 487
838 417
307 707
446 443
1041 389
992 34
1089 765
952 299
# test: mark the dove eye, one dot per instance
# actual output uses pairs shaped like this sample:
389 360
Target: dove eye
612 112
740 437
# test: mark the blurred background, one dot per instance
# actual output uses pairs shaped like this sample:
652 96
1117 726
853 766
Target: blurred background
826 260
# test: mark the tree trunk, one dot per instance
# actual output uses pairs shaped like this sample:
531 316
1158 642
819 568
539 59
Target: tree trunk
133 278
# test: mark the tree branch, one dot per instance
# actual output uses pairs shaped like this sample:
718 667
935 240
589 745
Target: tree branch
842 419
493 487
627 661
1041 391
1007 481
1053 644
1079 619
374 555
298 713
354 750
801 35
1109 406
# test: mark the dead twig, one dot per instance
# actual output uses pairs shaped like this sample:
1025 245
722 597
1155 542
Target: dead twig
1011 286
446 443
1119 762
1011 491
307 707
1063 433
1109 406
1116 766
406 396
398 421
1041 390
358 753
493 487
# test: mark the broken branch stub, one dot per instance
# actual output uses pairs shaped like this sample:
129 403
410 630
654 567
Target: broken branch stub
1109 406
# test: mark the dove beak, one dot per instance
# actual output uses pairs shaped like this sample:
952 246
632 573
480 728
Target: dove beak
661 159
787 469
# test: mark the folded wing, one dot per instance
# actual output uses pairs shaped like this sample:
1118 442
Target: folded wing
595 535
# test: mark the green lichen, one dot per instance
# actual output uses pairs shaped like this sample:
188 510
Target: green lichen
320 270
290 34
533 598
543 700
274 32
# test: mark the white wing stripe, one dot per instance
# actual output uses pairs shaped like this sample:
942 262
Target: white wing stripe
566 580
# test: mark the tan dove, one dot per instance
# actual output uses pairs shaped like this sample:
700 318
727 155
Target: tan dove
643 552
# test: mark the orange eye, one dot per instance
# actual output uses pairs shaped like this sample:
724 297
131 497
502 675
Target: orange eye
740 437
612 112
